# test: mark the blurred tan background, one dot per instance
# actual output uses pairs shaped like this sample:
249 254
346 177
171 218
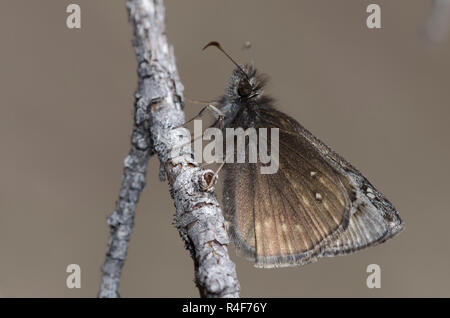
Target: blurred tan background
380 98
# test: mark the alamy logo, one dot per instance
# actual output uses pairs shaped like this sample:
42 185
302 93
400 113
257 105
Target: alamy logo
374 279
241 146
73 280
73 20
373 21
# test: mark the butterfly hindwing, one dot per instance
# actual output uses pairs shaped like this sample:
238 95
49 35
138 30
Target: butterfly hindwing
373 219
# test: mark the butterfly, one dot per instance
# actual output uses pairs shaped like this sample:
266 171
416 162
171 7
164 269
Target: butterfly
316 205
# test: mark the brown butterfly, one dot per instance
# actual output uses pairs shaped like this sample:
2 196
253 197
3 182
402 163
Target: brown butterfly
316 204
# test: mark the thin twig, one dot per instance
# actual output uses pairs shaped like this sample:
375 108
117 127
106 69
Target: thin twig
158 108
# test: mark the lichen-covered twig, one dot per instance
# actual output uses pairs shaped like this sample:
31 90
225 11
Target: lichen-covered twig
158 108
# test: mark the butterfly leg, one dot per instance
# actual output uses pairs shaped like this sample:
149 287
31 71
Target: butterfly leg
213 109
219 122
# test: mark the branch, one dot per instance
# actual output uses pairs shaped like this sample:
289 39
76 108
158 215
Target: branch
158 108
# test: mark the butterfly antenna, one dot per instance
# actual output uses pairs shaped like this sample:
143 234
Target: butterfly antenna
218 46
248 47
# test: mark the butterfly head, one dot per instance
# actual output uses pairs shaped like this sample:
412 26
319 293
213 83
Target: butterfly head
245 84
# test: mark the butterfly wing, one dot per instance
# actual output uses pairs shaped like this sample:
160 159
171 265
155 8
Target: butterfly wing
311 207
373 218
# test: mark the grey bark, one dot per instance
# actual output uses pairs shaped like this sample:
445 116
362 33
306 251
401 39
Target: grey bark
158 108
